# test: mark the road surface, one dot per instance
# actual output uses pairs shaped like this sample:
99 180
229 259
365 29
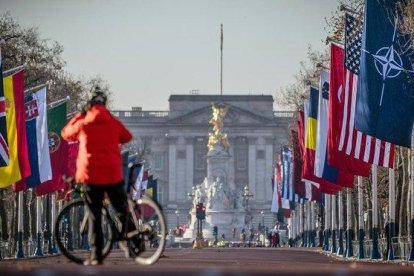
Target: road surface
209 262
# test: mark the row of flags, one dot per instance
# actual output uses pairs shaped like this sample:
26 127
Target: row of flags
143 182
361 110
32 153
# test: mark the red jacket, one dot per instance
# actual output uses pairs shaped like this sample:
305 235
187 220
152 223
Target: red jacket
99 135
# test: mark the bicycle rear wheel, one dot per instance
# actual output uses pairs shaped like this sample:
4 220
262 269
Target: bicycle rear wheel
148 244
72 232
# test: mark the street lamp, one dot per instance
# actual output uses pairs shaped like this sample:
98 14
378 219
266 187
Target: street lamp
263 227
177 213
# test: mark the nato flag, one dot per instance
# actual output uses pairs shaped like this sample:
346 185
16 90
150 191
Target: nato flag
385 97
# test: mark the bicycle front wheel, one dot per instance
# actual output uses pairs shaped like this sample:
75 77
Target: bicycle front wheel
148 244
72 232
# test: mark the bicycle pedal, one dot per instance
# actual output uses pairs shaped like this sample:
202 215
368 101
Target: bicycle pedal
132 233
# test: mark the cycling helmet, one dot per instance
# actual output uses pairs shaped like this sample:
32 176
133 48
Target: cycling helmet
97 97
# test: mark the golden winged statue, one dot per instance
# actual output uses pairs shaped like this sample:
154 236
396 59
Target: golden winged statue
218 137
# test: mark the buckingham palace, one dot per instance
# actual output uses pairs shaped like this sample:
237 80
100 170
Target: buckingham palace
175 147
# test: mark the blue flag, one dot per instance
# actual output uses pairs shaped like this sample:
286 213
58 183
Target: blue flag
287 177
385 97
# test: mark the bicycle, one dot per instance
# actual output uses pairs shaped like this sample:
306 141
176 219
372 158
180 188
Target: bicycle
145 239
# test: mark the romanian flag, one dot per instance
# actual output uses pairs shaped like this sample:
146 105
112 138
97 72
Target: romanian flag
310 191
310 136
18 166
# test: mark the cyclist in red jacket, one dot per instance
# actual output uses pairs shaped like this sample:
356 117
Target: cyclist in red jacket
99 163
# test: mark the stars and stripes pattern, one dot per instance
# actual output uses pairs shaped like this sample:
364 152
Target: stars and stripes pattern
4 147
355 143
353 37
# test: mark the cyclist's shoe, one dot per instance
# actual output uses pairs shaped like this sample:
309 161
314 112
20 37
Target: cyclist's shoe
124 246
92 262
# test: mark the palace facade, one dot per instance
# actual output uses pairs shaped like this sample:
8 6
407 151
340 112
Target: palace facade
175 146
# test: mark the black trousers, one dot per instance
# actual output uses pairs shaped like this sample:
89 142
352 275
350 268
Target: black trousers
94 197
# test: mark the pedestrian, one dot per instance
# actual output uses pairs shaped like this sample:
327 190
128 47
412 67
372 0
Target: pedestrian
269 238
243 237
273 240
99 164
251 237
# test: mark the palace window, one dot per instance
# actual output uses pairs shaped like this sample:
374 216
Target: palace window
158 161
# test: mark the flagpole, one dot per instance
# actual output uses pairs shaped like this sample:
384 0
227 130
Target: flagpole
13 70
375 254
297 227
411 256
391 213
348 10
314 219
360 220
329 216
38 251
341 225
325 234
38 87
350 231
321 236
20 253
309 220
291 228
334 224
221 61
52 228
305 224
58 102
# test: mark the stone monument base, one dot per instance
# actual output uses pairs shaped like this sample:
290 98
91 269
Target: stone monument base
224 220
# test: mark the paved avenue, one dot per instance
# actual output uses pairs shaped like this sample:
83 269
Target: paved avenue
210 261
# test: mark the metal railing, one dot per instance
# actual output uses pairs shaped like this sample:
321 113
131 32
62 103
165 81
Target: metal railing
284 114
140 114
165 114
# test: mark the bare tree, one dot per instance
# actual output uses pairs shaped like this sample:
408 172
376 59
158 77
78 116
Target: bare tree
43 64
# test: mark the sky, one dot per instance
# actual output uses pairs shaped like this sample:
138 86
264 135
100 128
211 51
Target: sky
147 50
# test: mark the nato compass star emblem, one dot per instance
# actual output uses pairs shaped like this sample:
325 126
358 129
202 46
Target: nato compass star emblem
388 63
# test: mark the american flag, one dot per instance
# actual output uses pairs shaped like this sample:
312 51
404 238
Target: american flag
355 143
4 148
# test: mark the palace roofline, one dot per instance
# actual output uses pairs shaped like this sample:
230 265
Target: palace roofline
212 97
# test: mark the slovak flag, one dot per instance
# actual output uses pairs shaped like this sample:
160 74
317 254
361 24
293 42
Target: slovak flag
37 140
